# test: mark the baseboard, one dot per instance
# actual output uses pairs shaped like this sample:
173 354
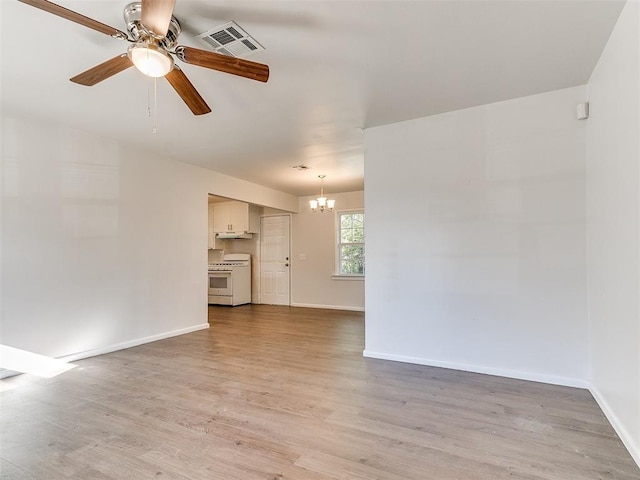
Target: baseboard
500 372
132 343
329 307
115 347
4 373
623 433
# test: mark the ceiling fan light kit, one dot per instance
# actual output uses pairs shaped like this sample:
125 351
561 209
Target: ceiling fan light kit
151 60
153 34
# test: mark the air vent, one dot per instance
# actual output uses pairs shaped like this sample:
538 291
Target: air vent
229 39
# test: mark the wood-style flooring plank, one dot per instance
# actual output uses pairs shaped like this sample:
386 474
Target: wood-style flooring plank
284 393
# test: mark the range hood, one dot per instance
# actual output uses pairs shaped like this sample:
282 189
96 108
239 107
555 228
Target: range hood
226 235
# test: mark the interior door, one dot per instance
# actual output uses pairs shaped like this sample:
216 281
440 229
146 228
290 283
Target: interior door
275 261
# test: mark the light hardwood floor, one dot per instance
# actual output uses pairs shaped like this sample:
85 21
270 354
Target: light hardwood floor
284 393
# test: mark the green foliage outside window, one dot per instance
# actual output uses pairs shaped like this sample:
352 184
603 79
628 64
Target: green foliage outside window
351 243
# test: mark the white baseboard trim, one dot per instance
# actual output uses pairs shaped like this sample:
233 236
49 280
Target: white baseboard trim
623 433
500 372
132 343
329 307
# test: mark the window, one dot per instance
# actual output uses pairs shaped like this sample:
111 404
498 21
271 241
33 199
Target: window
350 243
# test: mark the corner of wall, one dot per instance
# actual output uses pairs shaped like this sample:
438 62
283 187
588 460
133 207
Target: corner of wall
632 445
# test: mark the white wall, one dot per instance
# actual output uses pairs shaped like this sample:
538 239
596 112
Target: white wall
314 236
476 239
613 212
103 246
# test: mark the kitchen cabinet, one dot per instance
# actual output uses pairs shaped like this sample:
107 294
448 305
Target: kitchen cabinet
212 233
235 217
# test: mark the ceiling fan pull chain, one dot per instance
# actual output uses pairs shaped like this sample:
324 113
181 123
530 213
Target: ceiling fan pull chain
155 105
152 109
149 98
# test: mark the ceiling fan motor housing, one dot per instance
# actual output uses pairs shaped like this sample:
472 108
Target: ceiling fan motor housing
133 16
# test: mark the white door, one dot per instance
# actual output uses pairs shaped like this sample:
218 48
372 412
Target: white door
274 260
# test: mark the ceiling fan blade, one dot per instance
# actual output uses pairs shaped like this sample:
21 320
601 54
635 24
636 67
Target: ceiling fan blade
223 63
187 91
156 15
103 71
76 17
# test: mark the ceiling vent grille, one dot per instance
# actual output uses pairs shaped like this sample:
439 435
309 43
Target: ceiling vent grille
229 39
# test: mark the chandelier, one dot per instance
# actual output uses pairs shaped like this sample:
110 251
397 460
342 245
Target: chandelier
321 203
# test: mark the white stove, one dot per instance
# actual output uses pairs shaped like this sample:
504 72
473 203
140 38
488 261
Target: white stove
230 280
226 266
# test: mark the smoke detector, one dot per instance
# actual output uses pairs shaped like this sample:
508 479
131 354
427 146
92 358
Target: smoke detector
302 167
231 40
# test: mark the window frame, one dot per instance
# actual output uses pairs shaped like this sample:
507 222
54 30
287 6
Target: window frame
338 229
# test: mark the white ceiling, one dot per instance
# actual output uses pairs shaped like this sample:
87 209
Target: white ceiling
337 67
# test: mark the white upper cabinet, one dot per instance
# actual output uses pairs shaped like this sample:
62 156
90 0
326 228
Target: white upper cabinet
235 217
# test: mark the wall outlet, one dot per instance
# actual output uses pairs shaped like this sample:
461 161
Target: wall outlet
302 256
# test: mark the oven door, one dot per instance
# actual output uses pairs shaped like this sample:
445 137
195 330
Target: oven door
220 283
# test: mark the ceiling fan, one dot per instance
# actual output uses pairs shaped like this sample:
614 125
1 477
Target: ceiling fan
153 34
